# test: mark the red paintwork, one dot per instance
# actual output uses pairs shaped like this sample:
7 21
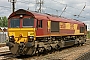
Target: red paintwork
21 23
44 17
39 32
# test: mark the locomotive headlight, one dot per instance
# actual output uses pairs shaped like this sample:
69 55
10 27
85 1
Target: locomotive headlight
21 16
11 38
30 38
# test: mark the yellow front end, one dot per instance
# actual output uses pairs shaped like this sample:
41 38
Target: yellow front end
21 34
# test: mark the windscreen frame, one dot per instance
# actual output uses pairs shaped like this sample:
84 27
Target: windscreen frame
28 21
13 23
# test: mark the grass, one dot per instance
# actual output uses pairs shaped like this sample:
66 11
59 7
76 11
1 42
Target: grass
88 34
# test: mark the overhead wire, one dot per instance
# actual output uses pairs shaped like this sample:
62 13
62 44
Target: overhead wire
5 7
27 2
65 4
68 5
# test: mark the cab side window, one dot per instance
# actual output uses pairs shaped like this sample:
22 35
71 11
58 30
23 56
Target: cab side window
39 23
82 29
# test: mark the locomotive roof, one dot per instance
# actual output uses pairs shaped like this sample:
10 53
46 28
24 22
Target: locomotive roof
44 16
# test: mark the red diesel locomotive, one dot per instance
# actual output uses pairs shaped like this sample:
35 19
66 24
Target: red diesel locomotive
31 32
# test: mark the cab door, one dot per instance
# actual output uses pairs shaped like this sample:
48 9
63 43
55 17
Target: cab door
39 27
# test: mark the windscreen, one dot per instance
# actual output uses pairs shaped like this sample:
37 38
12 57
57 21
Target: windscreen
14 23
28 22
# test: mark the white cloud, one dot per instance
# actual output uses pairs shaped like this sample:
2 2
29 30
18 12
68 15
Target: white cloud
30 5
74 7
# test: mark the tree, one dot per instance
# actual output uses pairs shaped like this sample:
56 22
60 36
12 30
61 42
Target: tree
0 21
3 21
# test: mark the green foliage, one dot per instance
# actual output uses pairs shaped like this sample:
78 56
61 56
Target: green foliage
3 21
88 34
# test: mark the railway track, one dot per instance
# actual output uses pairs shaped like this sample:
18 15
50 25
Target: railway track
2 44
68 53
5 53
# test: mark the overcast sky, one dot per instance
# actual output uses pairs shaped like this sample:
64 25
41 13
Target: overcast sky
73 8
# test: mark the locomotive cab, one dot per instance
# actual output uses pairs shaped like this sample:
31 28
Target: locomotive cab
21 32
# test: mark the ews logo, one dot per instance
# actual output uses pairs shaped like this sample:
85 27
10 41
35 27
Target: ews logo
72 26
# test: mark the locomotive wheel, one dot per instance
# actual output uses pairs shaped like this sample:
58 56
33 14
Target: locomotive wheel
49 48
78 44
57 47
45 51
37 52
